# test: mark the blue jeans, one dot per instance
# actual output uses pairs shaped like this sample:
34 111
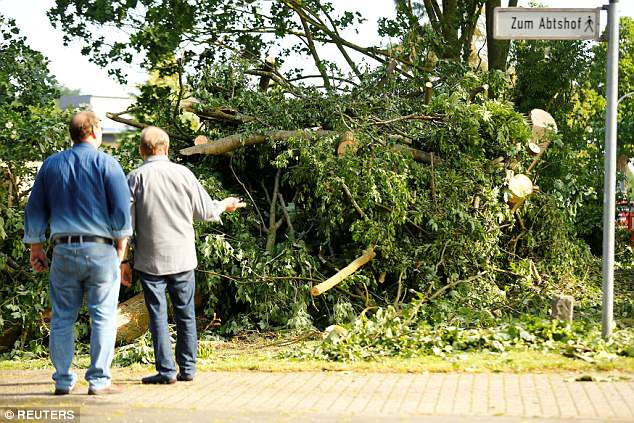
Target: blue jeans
181 287
77 269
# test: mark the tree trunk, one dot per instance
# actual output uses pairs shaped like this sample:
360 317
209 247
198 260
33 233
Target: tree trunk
497 50
132 319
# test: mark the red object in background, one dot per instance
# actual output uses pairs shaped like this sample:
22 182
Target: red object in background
625 217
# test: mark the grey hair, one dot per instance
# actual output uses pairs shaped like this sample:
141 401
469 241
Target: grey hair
154 139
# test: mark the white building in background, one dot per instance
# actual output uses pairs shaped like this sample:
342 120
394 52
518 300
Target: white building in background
101 104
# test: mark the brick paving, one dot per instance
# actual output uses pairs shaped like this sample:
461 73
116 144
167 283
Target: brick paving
336 396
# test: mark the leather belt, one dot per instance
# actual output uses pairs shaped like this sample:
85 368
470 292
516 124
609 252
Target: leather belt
78 239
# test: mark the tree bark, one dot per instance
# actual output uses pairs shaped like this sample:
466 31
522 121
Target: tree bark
233 142
497 50
132 318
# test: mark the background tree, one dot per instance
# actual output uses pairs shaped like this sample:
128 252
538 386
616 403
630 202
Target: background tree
31 128
497 50
204 31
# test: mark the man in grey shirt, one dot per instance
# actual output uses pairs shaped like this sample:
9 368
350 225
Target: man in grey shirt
166 198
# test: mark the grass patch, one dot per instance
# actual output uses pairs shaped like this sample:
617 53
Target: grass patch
263 356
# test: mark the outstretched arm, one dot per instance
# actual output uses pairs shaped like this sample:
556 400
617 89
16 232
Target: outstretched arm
210 210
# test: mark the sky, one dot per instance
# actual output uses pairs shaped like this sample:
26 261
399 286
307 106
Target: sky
76 72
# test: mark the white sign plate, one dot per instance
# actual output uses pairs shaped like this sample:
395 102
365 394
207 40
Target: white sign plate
538 23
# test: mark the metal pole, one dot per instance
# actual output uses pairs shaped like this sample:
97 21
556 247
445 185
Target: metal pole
609 211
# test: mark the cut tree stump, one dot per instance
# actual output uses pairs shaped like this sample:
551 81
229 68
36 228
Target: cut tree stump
132 319
542 124
348 143
534 148
521 187
368 255
562 308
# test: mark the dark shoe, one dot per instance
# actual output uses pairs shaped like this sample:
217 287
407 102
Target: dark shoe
108 390
158 379
183 378
63 391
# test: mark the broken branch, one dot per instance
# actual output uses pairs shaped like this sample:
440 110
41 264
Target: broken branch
139 125
353 201
368 255
232 142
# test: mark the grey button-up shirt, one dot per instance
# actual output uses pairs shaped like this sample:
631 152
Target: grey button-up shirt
166 198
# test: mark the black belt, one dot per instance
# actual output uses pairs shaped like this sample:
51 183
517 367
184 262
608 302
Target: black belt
77 239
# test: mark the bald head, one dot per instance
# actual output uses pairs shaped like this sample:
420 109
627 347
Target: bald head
83 126
154 141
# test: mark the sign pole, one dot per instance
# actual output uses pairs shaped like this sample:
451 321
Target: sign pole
609 209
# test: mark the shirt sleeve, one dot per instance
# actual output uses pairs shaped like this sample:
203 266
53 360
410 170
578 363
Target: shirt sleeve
37 212
132 183
203 206
118 195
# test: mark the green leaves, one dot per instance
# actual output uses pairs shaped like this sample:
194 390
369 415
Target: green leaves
31 128
415 331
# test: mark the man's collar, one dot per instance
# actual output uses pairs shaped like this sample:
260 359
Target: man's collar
83 144
158 158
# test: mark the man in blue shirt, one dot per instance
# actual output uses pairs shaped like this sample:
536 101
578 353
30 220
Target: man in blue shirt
82 194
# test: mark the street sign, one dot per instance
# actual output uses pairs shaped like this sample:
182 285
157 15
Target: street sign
539 23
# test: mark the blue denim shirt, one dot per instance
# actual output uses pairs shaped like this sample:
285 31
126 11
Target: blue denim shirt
79 191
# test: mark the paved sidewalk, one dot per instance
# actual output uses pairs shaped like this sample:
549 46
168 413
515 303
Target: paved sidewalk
336 396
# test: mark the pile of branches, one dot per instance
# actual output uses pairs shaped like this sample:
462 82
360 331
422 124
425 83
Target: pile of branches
386 193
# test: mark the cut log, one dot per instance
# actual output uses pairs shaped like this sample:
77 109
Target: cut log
233 142
348 143
562 307
368 255
542 123
428 92
534 148
476 202
201 139
188 104
269 66
418 155
521 187
132 319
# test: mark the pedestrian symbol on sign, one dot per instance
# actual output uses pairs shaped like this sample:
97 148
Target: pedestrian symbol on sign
589 25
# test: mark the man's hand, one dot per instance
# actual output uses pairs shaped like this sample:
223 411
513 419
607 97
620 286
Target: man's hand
126 274
38 259
233 203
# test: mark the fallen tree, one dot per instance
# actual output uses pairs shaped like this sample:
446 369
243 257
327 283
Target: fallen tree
435 186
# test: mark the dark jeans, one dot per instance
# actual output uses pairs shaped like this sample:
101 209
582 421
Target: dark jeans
181 287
